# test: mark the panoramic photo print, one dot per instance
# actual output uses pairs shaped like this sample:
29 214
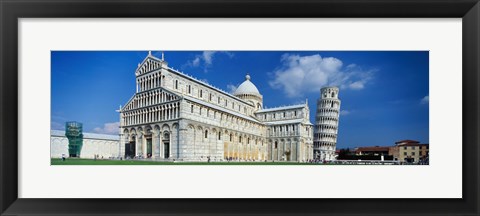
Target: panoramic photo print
239 107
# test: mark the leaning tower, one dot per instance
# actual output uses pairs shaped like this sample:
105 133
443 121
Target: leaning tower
326 124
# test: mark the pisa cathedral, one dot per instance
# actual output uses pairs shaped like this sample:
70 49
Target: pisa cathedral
173 116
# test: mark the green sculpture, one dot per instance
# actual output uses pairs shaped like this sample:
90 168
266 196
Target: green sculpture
74 133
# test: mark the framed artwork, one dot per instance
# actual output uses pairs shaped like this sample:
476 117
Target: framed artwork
277 76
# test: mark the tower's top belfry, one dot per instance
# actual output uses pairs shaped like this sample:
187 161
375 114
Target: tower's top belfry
330 92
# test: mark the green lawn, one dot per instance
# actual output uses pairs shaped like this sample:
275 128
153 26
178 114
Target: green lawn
74 161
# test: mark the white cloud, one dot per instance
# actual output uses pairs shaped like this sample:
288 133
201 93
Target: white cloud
425 100
344 112
196 62
303 74
206 59
231 88
108 128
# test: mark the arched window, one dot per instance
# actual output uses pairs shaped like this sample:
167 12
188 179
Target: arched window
189 89
191 108
206 134
276 144
201 93
176 84
240 139
231 137
332 103
333 94
166 136
219 135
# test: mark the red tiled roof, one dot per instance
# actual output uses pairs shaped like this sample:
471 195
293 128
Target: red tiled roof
372 148
412 144
407 141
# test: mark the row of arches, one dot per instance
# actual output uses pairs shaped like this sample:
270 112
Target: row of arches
324 145
157 113
149 82
330 137
329 103
224 119
290 150
224 144
327 112
150 98
327 120
284 130
150 141
321 127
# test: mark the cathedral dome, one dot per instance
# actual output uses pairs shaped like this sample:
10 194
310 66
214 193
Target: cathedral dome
247 87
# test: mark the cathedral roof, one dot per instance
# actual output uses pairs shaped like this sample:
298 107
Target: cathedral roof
282 108
247 87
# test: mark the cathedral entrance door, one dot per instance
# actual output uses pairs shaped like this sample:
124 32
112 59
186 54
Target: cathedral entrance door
130 149
149 147
166 147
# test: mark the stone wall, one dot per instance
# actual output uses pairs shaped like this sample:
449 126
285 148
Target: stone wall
101 144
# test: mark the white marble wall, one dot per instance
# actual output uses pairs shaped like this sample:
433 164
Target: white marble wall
91 146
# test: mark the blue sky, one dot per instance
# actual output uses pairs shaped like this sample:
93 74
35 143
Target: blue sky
384 94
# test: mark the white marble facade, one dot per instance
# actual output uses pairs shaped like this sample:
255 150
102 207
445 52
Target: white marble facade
173 116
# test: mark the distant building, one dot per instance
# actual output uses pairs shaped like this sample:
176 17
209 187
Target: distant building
409 151
373 150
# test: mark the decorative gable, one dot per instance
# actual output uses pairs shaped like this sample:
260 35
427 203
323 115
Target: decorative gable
150 63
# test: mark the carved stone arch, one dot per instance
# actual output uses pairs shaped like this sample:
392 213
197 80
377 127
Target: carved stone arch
191 126
133 131
125 131
148 130
175 125
156 129
140 130
200 128
166 135
165 127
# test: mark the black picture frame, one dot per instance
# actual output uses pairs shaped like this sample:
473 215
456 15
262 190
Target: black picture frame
12 10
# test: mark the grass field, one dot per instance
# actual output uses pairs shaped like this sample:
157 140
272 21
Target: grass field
75 161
